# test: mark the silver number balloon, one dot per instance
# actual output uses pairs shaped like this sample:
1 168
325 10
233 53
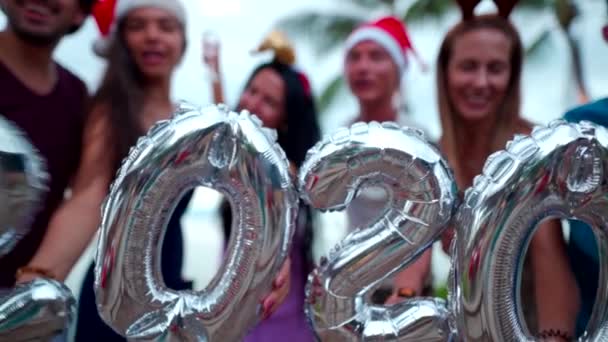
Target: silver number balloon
422 196
41 309
23 185
225 151
558 171
36 311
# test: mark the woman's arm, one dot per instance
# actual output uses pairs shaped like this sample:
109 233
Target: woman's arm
557 294
75 222
412 279
212 60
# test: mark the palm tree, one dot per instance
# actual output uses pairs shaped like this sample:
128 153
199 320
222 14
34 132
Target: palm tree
327 30
565 12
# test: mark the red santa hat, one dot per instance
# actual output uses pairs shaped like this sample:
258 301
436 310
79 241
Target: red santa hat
390 33
108 13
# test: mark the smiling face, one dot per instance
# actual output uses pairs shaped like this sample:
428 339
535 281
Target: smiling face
42 21
155 39
479 73
264 96
371 73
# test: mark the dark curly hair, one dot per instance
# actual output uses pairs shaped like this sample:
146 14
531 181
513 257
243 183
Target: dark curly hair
301 133
302 127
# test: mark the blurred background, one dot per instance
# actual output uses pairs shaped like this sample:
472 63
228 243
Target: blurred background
566 58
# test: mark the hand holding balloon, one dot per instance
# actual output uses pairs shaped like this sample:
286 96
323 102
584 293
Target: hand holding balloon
558 171
280 287
232 154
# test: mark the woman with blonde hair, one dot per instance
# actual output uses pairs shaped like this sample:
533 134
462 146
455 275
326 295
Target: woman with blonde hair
479 71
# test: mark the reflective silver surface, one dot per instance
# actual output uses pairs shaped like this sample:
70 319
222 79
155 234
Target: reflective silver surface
560 171
214 148
23 181
36 311
422 197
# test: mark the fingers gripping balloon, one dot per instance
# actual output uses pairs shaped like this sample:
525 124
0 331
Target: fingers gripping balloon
232 154
422 195
558 171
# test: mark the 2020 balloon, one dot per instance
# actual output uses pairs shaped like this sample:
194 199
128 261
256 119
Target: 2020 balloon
558 171
232 154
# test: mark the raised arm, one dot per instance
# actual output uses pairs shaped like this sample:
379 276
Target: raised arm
212 60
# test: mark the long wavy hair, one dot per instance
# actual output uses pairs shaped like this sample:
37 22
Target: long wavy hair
296 136
508 120
121 95
301 129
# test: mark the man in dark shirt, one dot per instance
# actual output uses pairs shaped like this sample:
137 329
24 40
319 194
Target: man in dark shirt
47 102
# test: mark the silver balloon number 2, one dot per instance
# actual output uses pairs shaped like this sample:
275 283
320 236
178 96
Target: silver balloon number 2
41 309
230 153
422 196
558 171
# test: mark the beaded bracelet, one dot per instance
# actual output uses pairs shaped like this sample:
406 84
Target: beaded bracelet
406 292
555 333
34 270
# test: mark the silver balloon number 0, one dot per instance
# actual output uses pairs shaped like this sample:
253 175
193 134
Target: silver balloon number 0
558 171
230 153
422 195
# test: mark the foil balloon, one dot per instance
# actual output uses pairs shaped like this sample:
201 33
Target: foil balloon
558 171
23 180
422 196
214 148
36 311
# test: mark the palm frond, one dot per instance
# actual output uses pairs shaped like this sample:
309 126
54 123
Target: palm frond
538 43
329 94
324 30
423 9
536 4
371 4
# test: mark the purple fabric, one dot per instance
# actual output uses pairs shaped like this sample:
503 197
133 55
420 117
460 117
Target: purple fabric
289 322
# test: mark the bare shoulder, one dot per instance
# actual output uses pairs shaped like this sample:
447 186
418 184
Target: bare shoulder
97 120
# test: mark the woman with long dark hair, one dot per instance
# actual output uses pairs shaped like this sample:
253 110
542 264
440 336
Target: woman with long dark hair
146 43
281 97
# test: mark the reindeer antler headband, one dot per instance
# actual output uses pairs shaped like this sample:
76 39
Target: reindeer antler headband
467 7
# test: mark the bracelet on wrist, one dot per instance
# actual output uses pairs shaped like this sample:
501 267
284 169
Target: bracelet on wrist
34 270
564 335
406 292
